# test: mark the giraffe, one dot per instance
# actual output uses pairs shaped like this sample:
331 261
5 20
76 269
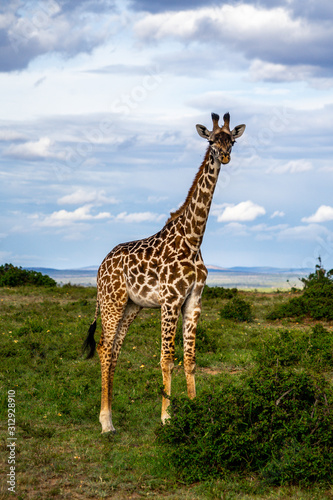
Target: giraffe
164 271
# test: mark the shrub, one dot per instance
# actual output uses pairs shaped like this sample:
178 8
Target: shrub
278 424
316 300
219 292
16 276
237 309
311 349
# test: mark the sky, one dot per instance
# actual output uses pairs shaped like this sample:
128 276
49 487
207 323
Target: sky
99 102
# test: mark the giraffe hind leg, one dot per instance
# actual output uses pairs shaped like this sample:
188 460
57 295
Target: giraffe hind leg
109 350
111 317
130 313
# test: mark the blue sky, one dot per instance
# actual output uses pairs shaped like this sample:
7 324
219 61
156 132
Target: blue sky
97 130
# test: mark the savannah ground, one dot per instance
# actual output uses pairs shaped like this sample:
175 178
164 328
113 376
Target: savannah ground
60 452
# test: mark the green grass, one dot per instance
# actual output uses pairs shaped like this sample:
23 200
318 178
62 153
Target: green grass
61 453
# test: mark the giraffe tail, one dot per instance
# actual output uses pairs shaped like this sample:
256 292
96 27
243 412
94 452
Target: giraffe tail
89 344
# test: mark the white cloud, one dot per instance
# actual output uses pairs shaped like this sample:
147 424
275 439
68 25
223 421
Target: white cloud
139 217
311 232
273 72
235 229
324 213
239 22
270 36
242 212
265 228
81 196
277 213
31 150
63 218
292 167
156 199
31 30
10 135
265 232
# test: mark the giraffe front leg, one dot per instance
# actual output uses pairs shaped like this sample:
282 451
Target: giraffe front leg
191 313
170 316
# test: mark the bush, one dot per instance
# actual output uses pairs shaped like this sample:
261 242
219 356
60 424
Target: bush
311 349
218 292
316 301
16 276
278 424
237 309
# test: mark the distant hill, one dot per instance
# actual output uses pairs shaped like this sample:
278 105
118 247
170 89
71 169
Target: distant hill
84 276
259 270
271 270
211 268
50 270
239 277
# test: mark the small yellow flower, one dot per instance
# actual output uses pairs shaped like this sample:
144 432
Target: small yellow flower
134 347
15 341
142 366
59 414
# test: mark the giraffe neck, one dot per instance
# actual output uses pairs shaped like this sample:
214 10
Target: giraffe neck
193 214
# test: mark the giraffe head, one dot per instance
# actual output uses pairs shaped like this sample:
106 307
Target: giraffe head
221 139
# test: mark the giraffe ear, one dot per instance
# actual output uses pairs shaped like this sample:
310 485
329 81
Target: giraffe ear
203 131
238 131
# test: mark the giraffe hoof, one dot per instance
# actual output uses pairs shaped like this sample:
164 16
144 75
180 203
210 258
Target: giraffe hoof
165 418
109 433
106 422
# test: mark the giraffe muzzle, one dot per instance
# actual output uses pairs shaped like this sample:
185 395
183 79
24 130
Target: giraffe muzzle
225 159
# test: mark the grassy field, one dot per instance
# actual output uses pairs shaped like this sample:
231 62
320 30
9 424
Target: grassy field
60 452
